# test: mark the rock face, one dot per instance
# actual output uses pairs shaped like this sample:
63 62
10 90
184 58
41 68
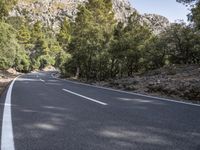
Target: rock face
122 9
156 22
52 12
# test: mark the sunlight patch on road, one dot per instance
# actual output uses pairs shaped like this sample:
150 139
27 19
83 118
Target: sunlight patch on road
43 126
59 84
53 107
26 79
135 99
46 126
134 136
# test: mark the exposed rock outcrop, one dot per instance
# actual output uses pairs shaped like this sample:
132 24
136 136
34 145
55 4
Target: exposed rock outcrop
156 22
52 12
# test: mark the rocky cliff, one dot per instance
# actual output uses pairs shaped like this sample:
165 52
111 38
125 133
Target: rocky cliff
51 12
156 22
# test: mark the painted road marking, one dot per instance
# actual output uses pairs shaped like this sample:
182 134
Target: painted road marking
91 99
7 140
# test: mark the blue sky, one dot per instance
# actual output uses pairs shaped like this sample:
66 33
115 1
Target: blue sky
168 8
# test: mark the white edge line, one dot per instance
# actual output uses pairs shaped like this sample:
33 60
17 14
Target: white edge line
91 99
131 93
7 140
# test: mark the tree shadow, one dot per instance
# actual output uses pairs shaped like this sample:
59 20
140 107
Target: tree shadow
47 118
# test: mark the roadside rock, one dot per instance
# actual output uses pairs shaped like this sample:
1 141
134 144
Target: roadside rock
49 68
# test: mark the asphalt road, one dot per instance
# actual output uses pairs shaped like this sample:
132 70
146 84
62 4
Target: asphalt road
45 113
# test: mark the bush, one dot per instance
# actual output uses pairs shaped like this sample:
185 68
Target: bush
22 62
45 60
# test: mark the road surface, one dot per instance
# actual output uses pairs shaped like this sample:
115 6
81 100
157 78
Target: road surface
40 112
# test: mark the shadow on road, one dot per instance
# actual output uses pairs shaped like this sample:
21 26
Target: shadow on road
47 118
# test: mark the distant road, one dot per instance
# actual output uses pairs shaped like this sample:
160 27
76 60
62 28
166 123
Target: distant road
40 112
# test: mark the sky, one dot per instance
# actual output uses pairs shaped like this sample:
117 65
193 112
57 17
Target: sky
168 8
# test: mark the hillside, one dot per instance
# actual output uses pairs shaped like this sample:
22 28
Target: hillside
179 82
52 12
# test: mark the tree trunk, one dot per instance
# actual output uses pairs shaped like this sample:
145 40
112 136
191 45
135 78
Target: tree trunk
88 73
77 72
111 69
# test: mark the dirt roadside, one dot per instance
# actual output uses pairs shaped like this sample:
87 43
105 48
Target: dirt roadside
6 76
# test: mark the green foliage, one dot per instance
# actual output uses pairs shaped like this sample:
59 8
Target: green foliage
45 60
24 35
16 22
195 17
37 32
8 45
22 62
12 53
91 36
46 47
182 44
62 58
155 53
136 36
62 61
128 47
64 37
5 7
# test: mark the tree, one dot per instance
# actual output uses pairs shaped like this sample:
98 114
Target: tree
62 61
181 42
45 60
195 17
117 51
22 61
37 32
24 35
16 21
91 37
39 44
135 36
64 37
195 11
8 44
155 53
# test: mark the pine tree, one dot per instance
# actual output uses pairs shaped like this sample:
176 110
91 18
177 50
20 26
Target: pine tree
91 37
24 35
64 37
135 36
8 44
